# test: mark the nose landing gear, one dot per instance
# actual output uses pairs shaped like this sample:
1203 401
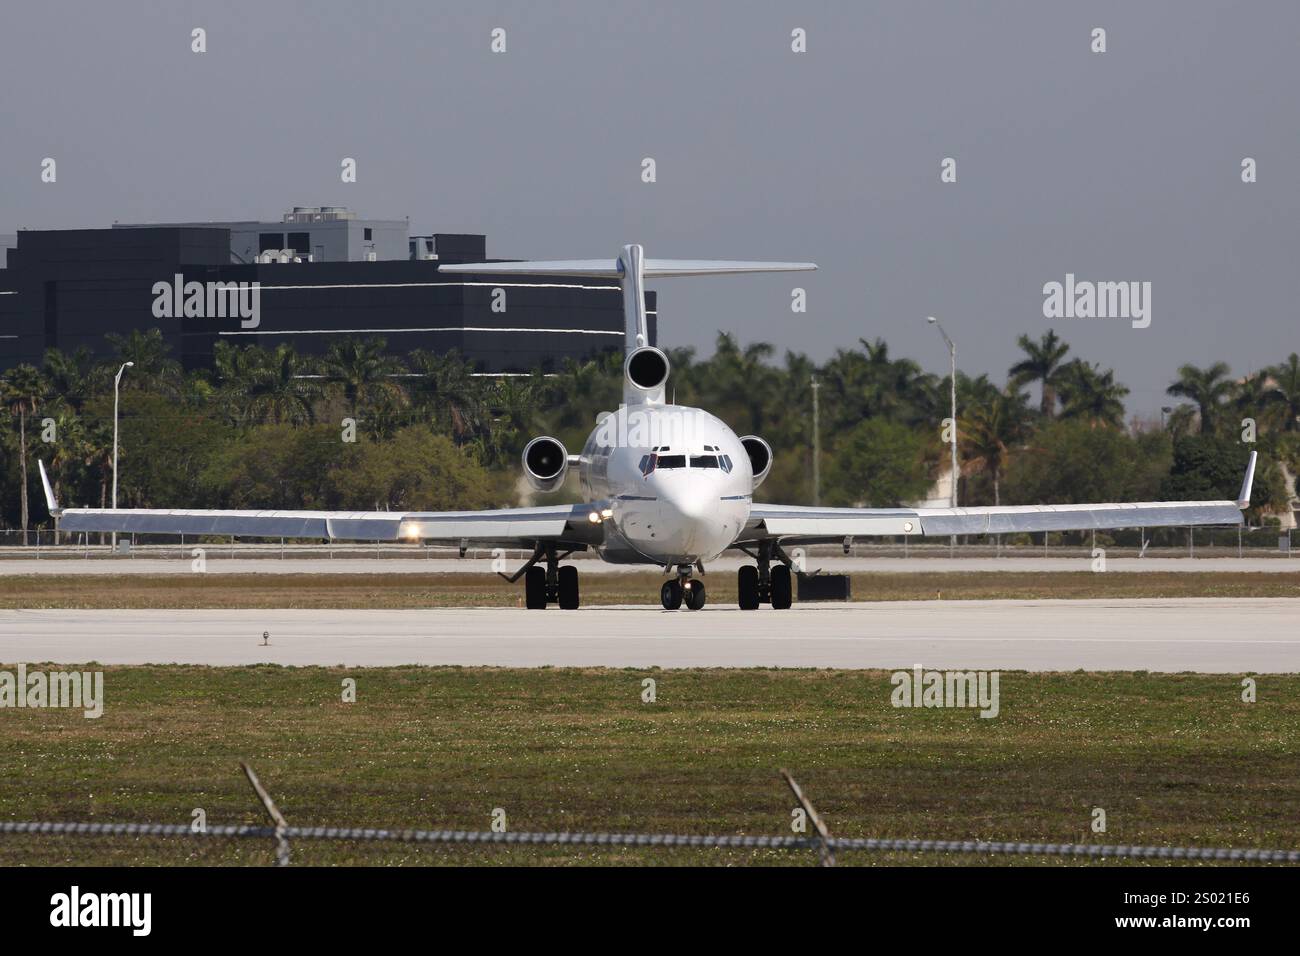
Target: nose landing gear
682 588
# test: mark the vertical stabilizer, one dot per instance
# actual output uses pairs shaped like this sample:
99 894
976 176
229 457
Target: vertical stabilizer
632 268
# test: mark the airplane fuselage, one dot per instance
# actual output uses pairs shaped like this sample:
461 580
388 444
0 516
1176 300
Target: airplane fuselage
676 481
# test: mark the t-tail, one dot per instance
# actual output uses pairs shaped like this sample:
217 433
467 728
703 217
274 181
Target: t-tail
645 368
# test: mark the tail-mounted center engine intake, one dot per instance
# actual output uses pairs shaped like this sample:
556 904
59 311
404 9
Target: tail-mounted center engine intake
646 368
760 457
545 463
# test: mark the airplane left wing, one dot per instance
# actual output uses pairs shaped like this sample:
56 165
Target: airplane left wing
804 525
504 527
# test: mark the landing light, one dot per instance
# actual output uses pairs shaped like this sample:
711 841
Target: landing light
594 517
607 513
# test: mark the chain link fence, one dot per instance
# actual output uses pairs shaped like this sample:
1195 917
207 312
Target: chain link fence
279 843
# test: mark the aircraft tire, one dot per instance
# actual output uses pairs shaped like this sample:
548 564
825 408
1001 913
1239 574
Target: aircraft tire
535 589
569 588
747 587
782 593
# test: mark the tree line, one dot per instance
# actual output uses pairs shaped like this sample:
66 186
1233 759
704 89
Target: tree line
360 428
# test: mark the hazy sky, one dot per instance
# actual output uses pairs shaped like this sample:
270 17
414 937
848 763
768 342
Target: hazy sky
1124 165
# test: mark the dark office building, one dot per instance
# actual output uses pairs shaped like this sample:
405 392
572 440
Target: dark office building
69 288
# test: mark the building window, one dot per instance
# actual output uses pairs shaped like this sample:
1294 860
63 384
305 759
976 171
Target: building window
270 240
369 234
300 242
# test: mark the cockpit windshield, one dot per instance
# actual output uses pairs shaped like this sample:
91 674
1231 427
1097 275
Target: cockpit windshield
655 461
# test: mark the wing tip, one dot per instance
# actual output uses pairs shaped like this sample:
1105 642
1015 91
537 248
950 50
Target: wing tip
50 503
1247 483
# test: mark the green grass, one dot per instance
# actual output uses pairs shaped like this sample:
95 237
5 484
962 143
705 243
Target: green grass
488 590
1173 759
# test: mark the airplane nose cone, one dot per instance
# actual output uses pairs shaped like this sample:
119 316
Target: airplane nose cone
687 503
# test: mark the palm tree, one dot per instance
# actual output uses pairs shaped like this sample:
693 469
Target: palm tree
74 378
233 370
280 389
1258 397
67 455
23 388
742 380
445 386
1287 377
990 430
1042 364
154 368
1090 394
897 387
364 374
513 404
1207 387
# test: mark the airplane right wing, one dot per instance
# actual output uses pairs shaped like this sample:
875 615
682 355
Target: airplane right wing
569 525
804 525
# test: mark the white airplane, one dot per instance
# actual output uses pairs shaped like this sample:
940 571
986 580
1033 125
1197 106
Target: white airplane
665 485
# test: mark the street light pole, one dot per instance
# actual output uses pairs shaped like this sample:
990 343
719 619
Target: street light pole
952 394
817 444
117 382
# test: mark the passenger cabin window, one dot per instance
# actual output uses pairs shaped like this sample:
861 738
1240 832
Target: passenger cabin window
704 461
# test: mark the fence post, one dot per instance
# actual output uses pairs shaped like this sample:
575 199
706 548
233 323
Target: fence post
823 834
281 844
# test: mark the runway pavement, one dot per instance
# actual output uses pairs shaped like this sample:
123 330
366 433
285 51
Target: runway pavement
219 562
1207 635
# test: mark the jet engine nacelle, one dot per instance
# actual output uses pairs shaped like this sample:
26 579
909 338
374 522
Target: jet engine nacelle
646 369
546 462
760 457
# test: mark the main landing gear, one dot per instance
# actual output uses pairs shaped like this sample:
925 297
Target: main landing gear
764 584
551 584
682 589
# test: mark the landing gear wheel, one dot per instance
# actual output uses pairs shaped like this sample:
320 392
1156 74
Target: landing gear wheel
569 588
671 595
695 595
782 596
535 589
747 587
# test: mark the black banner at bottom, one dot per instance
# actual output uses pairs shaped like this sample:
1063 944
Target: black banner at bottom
336 905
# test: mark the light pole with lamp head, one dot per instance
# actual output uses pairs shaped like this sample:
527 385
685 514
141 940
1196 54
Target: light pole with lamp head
117 382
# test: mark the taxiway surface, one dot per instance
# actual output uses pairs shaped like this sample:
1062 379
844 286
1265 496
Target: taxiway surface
1207 635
